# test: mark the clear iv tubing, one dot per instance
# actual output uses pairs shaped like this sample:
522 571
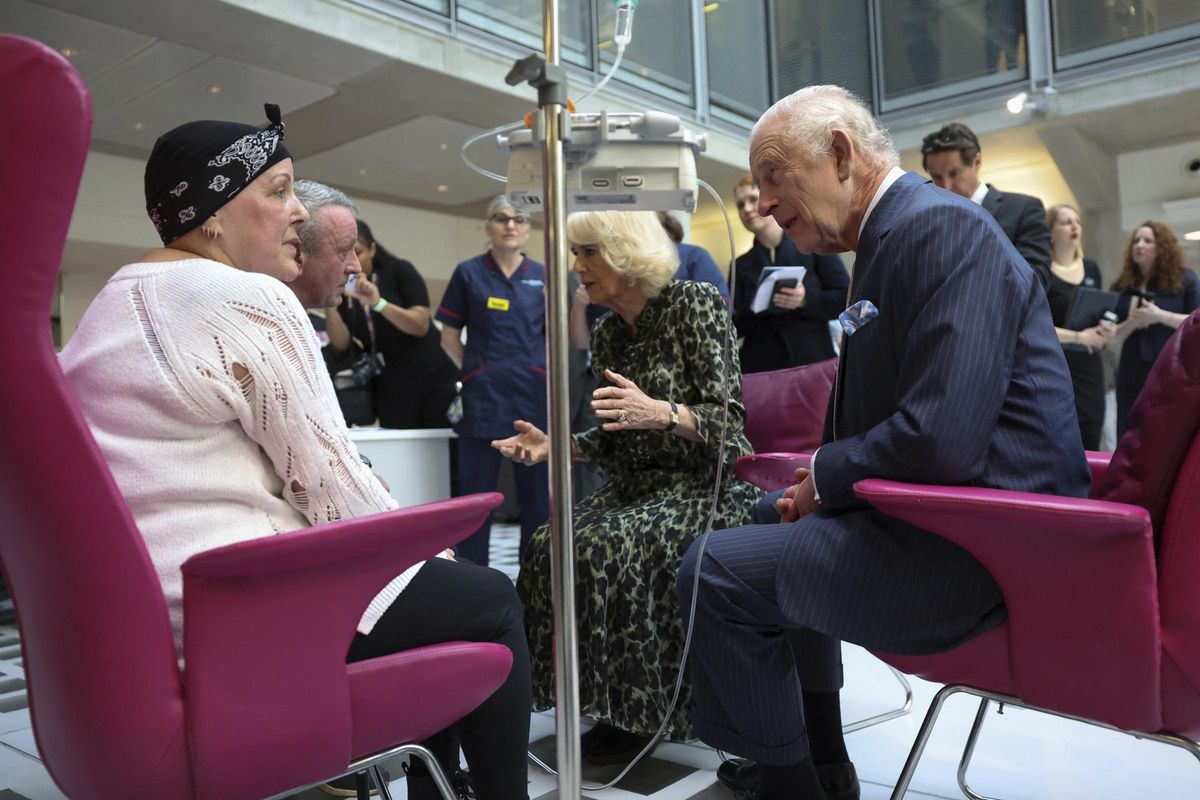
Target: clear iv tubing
712 513
622 35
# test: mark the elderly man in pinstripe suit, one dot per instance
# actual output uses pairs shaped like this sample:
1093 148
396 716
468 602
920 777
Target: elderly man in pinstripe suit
951 373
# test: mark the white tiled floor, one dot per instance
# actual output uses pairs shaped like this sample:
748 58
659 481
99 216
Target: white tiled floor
1021 755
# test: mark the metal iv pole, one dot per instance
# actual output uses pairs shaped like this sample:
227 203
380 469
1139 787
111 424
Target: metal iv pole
551 82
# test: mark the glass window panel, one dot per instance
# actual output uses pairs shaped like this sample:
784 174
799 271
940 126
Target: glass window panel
520 21
737 56
659 58
935 48
1106 29
822 41
437 6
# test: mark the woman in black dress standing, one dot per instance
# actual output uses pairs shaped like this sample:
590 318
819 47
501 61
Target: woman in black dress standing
1069 270
1158 293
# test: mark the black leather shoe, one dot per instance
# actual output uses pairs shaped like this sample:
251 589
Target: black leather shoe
839 781
605 745
740 776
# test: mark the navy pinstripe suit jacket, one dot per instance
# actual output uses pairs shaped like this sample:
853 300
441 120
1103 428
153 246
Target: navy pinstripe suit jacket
961 379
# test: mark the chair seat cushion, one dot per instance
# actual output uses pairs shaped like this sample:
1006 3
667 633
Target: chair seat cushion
983 661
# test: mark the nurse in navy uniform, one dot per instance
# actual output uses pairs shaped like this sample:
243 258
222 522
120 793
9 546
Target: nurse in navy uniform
499 298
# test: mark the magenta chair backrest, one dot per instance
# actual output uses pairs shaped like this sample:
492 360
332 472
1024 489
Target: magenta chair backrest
1179 601
1157 465
1163 424
785 408
99 660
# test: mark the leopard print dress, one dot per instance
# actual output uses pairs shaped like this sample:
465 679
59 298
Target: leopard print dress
631 534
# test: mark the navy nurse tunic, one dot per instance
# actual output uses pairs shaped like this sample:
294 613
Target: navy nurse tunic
504 363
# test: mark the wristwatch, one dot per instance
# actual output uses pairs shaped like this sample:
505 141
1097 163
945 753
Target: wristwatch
674 417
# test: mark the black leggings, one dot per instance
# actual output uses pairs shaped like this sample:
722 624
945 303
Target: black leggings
459 601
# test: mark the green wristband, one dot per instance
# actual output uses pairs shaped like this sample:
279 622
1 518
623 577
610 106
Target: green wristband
380 306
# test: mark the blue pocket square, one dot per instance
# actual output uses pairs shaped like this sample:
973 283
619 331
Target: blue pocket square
857 315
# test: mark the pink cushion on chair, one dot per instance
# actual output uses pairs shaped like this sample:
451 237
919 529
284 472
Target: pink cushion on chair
1162 426
785 408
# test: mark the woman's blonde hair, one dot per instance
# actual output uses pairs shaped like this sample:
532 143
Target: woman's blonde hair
1052 220
633 243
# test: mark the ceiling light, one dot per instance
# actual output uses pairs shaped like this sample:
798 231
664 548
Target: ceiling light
137 126
362 171
443 147
443 187
1039 102
215 89
69 52
1192 236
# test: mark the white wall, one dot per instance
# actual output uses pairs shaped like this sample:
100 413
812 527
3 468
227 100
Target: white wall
1150 177
109 227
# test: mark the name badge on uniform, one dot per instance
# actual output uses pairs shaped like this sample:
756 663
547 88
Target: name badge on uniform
497 304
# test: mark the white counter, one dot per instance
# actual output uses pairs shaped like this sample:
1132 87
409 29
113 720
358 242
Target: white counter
415 463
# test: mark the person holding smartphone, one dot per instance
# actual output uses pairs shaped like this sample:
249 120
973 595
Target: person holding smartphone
794 329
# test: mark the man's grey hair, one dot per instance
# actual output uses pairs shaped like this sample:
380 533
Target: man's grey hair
316 196
809 116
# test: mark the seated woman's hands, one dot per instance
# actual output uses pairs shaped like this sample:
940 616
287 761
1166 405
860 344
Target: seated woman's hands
530 446
627 408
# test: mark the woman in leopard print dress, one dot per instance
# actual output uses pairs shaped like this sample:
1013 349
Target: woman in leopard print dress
659 358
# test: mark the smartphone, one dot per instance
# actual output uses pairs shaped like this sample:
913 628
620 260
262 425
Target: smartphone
352 283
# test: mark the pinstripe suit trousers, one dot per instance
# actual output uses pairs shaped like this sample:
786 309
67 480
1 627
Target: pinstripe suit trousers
774 602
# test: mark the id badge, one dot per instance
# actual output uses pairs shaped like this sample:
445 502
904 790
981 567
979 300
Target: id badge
497 304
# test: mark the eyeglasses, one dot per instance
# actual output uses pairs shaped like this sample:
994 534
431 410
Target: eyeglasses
503 219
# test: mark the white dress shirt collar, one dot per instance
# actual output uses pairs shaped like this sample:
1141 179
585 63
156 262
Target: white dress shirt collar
980 192
892 176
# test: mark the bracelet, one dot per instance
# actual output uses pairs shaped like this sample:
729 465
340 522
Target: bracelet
674 420
380 306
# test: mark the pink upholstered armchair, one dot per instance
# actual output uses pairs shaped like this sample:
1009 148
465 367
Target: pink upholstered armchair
1103 594
267 702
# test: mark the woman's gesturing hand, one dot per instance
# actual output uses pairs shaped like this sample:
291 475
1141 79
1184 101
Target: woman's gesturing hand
625 407
530 446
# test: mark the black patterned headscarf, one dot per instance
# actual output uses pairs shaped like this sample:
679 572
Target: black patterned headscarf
200 166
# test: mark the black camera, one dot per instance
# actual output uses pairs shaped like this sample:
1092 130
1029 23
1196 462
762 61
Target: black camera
366 369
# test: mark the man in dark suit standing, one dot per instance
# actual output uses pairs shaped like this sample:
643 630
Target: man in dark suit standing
951 373
794 329
952 157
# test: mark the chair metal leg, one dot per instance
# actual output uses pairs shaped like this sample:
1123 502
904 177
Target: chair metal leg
935 709
887 715
362 785
969 751
914 756
372 764
381 782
